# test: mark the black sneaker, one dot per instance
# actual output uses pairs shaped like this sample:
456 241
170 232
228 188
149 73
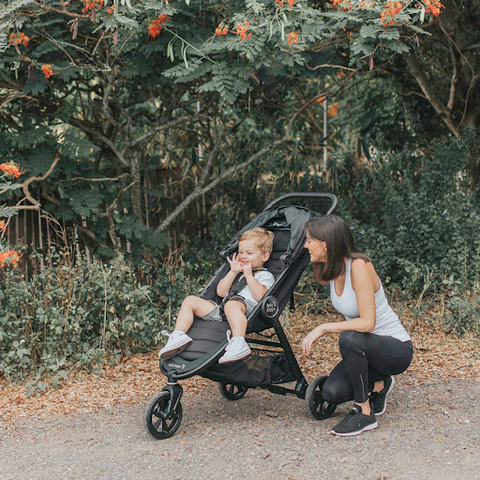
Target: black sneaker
355 422
378 400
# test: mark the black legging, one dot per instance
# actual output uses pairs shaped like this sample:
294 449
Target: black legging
367 358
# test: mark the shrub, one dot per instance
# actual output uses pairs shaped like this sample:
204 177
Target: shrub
77 314
415 215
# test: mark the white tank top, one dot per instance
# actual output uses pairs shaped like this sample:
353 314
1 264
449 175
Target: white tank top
387 323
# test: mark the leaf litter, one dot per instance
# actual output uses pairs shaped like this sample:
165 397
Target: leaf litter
438 355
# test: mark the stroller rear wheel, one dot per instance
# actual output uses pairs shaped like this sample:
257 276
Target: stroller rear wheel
160 423
232 392
317 405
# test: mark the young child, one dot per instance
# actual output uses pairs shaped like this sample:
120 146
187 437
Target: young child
254 249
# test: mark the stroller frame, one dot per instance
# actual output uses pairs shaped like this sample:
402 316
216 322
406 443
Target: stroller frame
163 414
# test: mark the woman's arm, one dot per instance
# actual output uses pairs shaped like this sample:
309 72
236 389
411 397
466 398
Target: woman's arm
364 281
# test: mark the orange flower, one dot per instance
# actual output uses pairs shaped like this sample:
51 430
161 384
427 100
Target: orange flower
18 38
321 99
2 225
47 70
11 168
155 27
9 257
291 3
333 110
221 31
391 9
111 9
279 3
433 7
292 38
242 30
90 5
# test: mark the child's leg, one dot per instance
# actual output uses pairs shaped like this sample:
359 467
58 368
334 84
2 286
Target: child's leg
178 340
235 313
192 306
237 348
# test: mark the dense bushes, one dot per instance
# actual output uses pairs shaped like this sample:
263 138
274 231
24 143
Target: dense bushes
417 217
75 314
412 212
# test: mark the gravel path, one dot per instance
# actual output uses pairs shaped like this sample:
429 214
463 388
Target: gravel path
431 430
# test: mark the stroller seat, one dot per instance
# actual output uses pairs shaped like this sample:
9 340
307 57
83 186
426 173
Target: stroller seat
287 262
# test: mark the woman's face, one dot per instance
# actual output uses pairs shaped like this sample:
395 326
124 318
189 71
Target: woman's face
317 249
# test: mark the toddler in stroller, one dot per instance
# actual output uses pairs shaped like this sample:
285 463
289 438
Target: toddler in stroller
241 289
272 361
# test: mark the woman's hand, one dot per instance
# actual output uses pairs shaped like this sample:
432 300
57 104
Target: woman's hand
311 338
235 265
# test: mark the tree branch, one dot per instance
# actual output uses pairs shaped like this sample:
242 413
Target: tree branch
159 128
35 204
229 172
418 72
96 134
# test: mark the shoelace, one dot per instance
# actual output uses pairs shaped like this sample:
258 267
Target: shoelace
229 336
166 334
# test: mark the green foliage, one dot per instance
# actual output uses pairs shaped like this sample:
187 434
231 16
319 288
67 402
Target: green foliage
72 315
463 311
418 219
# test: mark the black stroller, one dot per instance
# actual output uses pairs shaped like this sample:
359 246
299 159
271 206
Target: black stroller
264 368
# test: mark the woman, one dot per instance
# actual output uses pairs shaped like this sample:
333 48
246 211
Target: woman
373 343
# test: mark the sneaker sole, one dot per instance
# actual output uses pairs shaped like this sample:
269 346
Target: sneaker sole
386 395
357 432
171 353
234 359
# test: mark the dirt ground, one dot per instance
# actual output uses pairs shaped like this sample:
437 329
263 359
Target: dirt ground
431 430
92 427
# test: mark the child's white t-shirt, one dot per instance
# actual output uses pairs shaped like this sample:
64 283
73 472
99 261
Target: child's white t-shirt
263 277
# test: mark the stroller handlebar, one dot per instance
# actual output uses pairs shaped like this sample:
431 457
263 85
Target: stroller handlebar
330 196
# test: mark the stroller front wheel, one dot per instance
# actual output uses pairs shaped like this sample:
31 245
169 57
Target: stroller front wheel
161 422
232 392
317 405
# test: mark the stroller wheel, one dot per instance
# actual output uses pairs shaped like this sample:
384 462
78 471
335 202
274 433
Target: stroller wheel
316 404
232 392
158 423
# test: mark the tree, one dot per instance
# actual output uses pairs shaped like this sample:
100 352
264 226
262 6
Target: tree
119 86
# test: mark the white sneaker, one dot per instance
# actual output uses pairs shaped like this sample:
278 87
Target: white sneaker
237 349
177 341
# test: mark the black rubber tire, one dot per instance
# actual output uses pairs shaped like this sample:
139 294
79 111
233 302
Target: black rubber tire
317 406
232 392
158 426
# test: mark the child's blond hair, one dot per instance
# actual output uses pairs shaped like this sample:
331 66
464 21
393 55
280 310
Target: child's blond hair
263 239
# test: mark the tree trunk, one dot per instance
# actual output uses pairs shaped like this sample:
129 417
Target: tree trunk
136 194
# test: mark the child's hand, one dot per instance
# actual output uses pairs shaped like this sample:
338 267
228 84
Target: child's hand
247 269
235 265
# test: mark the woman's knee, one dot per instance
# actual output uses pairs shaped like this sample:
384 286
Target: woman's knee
334 392
347 339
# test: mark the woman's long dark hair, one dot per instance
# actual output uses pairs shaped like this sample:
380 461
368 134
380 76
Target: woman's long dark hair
339 239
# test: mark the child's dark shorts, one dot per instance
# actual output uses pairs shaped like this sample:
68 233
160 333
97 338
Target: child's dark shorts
216 314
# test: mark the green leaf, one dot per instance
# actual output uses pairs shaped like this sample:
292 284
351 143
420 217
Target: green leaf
369 31
390 34
8 212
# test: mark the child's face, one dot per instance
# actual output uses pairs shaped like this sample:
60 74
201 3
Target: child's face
248 252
